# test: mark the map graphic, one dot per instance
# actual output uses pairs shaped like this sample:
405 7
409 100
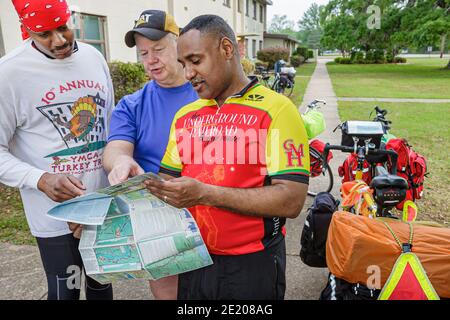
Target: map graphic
117 258
128 233
68 124
115 230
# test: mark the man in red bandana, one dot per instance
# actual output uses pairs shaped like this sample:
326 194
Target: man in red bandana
55 102
46 23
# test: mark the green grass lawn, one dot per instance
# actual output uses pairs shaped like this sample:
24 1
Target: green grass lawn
13 225
420 78
426 127
304 73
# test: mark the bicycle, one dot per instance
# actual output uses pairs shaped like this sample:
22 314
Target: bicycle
321 177
281 82
379 196
385 191
375 200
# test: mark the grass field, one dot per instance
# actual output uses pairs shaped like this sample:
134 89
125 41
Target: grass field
418 78
426 127
13 225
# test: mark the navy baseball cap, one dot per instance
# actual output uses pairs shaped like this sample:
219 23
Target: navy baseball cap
154 25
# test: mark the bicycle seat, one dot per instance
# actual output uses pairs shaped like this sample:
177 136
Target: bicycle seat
386 180
389 181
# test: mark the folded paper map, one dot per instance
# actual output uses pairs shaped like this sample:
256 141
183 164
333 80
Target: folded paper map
130 234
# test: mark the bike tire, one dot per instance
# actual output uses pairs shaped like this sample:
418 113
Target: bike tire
289 91
285 91
274 86
321 183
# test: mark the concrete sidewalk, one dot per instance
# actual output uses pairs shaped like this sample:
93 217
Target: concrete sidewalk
22 276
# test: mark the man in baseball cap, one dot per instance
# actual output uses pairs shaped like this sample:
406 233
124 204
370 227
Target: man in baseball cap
140 123
154 25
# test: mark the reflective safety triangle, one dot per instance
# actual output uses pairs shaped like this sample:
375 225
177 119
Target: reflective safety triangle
409 211
408 281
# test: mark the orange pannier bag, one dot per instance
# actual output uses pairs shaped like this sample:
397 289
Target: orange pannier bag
356 243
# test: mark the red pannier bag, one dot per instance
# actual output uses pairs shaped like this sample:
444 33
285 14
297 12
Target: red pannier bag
316 148
347 171
410 166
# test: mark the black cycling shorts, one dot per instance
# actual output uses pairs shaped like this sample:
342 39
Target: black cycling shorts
255 276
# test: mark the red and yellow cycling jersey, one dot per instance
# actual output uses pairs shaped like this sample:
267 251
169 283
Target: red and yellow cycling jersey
255 136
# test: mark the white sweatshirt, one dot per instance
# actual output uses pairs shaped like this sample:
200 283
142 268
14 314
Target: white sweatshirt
53 118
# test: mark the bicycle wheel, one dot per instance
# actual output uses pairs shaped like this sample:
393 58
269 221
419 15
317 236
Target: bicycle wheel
283 89
289 90
321 181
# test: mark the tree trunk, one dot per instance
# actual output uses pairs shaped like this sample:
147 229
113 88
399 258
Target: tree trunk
443 40
448 65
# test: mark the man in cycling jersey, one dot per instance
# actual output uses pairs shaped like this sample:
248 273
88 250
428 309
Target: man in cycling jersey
238 158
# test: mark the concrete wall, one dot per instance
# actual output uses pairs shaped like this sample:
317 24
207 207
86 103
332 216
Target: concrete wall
186 10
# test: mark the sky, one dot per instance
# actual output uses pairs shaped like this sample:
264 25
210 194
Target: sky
294 9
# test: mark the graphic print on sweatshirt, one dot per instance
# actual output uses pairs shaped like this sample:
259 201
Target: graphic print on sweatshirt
81 126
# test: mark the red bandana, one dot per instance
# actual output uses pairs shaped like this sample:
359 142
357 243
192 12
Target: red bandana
41 15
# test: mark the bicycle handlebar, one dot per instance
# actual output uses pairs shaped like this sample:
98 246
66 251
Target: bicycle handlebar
381 112
392 154
313 104
380 117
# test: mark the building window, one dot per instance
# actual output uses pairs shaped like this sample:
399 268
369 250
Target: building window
254 49
247 8
226 3
239 6
255 10
261 13
92 31
260 45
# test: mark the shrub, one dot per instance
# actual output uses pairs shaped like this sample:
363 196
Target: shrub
378 56
248 66
296 61
310 54
399 60
345 61
338 59
302 51
389 57
369 57
359 57
127 78
262 64
271 55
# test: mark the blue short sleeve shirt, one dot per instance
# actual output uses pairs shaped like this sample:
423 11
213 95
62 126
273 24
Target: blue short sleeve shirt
144 118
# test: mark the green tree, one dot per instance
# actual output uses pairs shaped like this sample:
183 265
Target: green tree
339 26
281 24
310 29
403 23
432 24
